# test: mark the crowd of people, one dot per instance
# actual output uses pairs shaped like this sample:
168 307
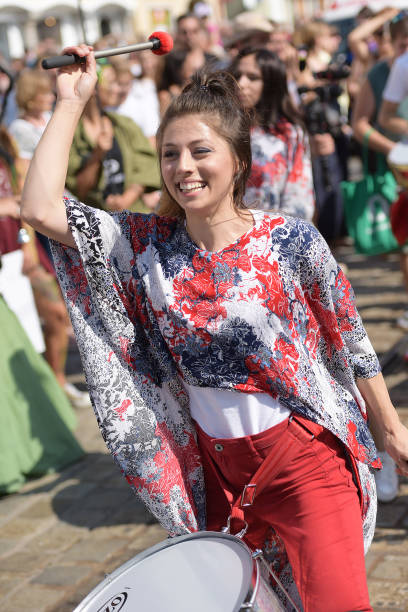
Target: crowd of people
190 168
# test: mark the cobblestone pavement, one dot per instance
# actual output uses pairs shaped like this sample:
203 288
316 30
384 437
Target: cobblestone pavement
63 533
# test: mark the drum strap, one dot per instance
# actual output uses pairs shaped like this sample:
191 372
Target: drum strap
268 470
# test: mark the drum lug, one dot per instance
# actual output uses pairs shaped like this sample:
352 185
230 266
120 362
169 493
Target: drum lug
247 606
257 553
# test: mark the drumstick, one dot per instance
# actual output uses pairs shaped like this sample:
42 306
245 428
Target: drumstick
159 42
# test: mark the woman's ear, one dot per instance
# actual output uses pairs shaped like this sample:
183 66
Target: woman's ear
237 170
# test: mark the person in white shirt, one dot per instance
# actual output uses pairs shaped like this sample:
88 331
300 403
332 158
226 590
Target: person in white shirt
395 92
138 96
393 118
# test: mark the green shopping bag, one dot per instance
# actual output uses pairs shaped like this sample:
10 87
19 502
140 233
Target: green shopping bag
367 208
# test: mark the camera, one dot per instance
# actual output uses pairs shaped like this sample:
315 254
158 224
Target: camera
323 113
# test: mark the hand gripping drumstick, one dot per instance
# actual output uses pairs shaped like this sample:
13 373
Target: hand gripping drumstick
159 42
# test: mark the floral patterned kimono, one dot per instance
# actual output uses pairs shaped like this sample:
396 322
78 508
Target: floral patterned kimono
270 313
281 172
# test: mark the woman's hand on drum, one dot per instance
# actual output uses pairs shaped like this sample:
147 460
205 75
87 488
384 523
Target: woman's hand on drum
76 83
396 445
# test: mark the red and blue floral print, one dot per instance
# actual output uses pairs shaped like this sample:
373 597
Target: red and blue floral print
270 313
281 175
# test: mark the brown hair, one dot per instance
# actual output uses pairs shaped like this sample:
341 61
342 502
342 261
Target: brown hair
365 13
216 96
307 34
9 153
29 84
399 25
275 101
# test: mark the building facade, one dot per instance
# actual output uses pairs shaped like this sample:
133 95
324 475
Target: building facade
24 23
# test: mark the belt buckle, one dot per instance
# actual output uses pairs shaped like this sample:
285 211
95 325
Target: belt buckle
298 421
251 496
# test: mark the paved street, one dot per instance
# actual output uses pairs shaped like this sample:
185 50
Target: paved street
62 533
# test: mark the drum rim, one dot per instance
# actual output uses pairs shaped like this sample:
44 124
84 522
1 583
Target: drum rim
172 541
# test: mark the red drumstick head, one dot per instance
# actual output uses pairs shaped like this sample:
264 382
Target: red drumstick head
166 42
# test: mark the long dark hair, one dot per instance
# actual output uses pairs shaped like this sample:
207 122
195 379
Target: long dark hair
275 101
214 96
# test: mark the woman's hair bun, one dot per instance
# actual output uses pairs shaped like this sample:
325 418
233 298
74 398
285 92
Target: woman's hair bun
219 83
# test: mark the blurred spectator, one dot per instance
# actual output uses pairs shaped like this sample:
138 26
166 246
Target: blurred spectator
321 41
190 42
365 126
396 90
106 42
280 43
249 29
9 192
35 98
138 97
192 36
393 115
182 66
47 47
278 39
9 109
112 165
36 418
324 123
281 177
190 33
203 11
368 103
368 42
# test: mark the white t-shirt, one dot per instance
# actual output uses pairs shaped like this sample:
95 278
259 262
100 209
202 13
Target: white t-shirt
27 135
142 105
396 88
222 413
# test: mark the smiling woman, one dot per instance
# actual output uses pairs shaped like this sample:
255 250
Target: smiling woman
198 169
205 161
218 341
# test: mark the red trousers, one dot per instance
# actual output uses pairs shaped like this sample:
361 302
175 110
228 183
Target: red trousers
313 504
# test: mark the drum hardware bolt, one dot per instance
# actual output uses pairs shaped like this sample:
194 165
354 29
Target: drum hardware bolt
23 236
257 553
247 606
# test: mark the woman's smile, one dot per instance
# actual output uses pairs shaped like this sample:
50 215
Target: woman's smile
191 187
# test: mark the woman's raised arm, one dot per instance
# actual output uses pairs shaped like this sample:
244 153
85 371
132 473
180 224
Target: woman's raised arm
42 205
